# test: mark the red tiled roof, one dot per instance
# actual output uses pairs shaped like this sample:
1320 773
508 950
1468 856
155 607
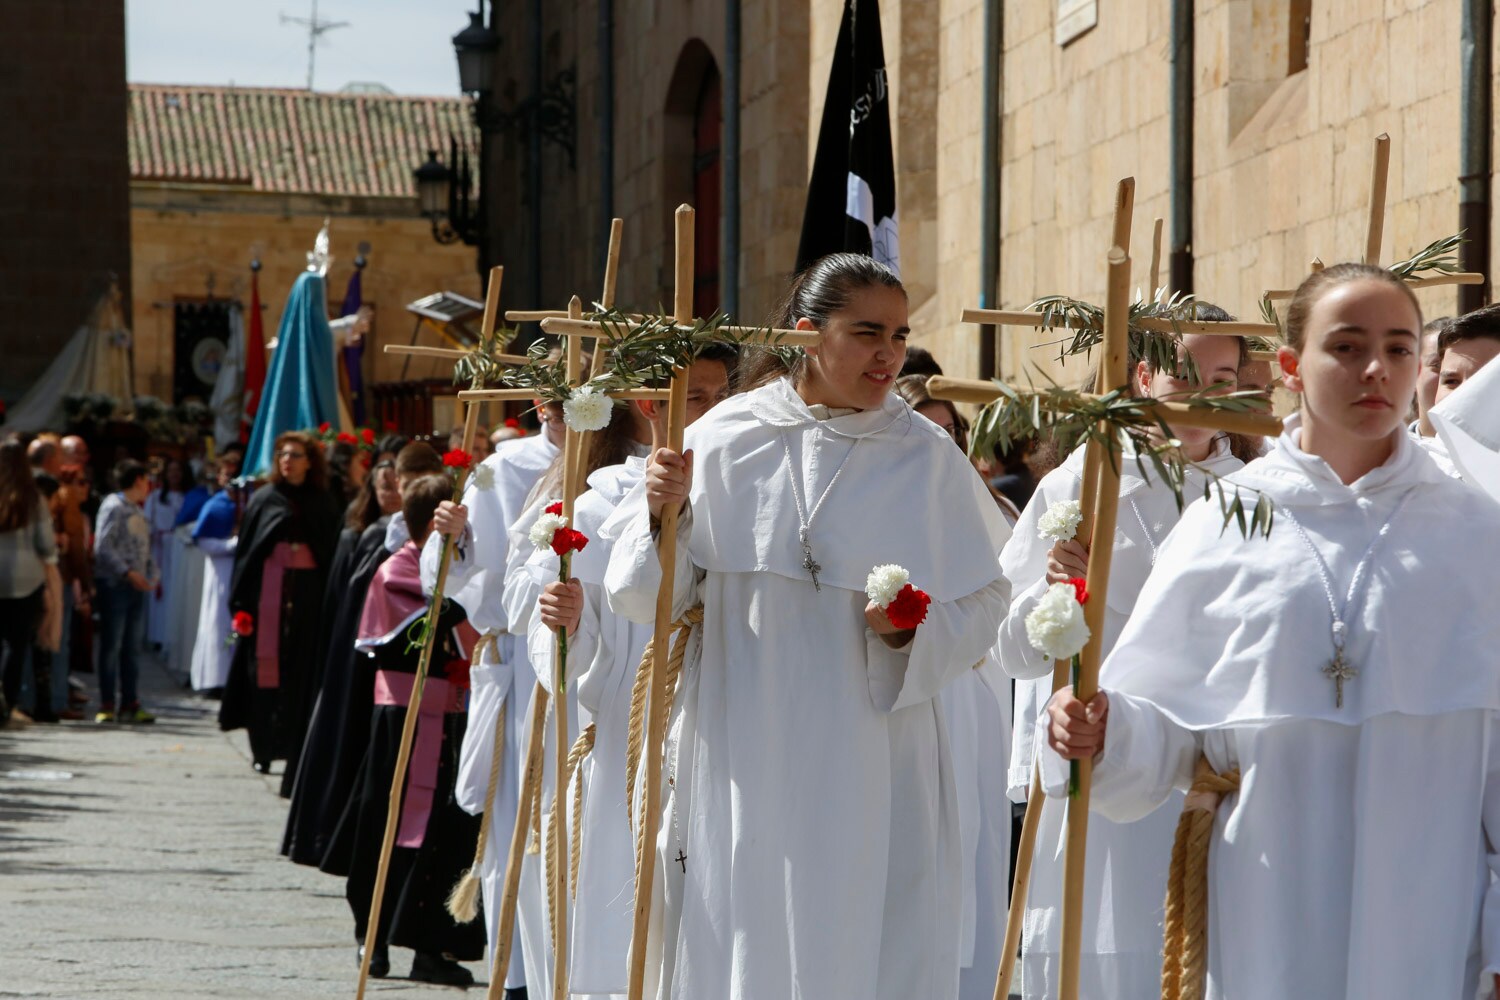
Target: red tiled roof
290 141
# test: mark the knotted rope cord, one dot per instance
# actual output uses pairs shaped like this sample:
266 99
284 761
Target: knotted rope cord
1185 944
535 843
636 735
462 901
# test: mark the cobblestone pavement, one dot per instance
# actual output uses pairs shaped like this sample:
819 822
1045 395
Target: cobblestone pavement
142 862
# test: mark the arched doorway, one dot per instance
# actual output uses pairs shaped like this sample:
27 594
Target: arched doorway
692 166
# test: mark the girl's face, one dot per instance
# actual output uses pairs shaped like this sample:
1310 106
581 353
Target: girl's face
1357 370
174 476
939 414
292 462
1217 360
863 348
387 491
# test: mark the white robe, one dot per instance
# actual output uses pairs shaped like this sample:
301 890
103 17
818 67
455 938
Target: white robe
212 650
161 514
502 680
603 656
1355 861
1126 864
817 810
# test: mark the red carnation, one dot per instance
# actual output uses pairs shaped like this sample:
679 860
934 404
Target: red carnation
244 623
390 426
457 458
323 427
346 438
554 508
513 423
909 608
565 540
1080 588
367 436
456 672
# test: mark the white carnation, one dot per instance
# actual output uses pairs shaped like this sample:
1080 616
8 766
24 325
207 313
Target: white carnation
544 528
884 583
1060 523
587 409
483 477
1056 626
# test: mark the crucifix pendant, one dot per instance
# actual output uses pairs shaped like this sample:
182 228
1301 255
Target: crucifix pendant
1339 670
681 859
808 562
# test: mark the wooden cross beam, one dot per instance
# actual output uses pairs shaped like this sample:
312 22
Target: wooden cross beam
424 661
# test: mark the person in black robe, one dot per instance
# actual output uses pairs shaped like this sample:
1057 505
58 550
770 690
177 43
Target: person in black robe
435 837
317 800
281 565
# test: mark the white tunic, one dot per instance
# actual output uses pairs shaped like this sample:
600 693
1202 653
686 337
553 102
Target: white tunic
1355 860
1126 864
603 656
212 651
502 680
161 513
818 812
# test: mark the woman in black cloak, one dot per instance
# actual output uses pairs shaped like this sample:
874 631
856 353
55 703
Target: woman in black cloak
281 565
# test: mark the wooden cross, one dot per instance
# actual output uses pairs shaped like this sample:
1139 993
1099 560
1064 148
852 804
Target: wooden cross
1100 502
575 457
671 437
429 637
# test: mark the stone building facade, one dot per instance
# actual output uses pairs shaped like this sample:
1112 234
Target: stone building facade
223 176
1287 98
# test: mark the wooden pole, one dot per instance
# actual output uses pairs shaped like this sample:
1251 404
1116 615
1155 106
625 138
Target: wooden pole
1378 175
1116 355
1155 258
517 854
1155 324
656 712
414 703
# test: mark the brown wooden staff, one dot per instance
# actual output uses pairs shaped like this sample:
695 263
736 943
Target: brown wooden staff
414 703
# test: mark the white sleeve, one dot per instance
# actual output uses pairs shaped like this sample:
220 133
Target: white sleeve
218 546
1146 757
954 637
583 645
634 575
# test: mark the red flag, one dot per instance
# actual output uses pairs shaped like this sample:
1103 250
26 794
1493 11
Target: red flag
255 359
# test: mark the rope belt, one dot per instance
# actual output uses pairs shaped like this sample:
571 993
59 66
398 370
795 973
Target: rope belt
681 629
581 748
1185 948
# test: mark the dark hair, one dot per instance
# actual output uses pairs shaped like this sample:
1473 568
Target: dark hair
418 459
420 499
317 465
1203 312
186 483
364 510
820 290
919 361
727 355
392 444
233 447
913 389
127 473
18 496
42 452
1481 324
1314 285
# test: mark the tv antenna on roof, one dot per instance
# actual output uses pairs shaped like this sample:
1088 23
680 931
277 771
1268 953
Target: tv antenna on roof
316 28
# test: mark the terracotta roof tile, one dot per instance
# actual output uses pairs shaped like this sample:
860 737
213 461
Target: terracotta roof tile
290 141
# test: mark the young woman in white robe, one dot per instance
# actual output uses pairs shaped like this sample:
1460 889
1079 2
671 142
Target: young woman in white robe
1355 859
501 680
161 511
814 849
604 652
1126 868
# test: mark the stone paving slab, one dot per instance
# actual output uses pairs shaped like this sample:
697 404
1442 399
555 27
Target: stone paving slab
153 870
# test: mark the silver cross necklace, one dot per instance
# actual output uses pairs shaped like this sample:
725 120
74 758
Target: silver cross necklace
1339 669
804 517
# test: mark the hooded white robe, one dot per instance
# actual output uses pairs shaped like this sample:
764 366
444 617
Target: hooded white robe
818 813
1356 859
1126 867
501 680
